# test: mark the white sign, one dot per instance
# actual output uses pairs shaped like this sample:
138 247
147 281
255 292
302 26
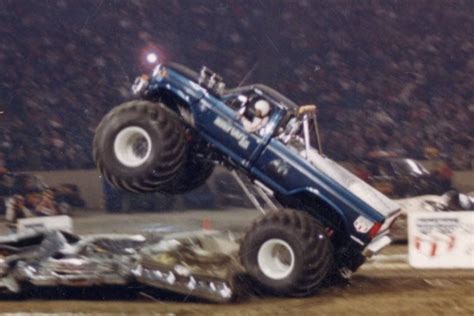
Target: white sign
63 223
441 240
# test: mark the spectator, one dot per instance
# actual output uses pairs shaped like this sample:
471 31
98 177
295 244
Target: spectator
387 76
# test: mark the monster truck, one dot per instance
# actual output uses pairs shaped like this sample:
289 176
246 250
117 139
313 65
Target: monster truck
323 219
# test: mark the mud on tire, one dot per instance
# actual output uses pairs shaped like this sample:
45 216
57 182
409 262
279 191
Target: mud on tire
287 253
139 146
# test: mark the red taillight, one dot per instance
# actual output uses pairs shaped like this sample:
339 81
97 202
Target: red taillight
374 230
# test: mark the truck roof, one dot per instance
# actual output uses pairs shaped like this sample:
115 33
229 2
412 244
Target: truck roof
284 101
182 70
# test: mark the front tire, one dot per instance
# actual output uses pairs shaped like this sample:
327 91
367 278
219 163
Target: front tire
288 253
139 146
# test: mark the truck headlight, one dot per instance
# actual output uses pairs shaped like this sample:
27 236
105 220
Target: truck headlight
159 72
140 84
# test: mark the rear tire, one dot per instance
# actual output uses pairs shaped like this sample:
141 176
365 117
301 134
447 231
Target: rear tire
288 253
139 146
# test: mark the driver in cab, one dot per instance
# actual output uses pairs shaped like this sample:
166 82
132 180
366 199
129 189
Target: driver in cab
262 111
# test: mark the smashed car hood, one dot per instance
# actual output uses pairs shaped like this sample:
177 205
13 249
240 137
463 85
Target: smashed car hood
203 265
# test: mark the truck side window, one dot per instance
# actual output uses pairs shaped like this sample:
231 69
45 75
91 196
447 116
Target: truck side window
237 102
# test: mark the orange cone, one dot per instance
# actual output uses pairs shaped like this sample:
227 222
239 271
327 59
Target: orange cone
206 224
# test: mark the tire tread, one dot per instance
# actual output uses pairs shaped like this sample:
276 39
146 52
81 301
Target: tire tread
172 146
318 257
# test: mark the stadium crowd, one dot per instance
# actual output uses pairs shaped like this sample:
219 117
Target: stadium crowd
391 75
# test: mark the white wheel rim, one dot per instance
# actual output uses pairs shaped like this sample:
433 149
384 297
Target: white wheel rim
276 259
128 146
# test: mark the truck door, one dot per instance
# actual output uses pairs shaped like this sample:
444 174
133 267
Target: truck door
222 125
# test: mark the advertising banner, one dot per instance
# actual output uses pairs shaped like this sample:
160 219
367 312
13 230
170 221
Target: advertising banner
441 240
62 222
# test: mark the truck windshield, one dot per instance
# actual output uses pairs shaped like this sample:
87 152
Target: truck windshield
264 90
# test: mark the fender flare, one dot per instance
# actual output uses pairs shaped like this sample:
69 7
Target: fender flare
309 192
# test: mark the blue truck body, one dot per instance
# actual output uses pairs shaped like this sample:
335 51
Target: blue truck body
362 212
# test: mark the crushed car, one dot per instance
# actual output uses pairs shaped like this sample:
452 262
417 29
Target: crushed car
53 258
199 264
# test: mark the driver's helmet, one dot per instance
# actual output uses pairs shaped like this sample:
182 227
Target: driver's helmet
262 107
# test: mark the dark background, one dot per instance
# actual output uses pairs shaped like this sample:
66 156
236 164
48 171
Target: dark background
388 75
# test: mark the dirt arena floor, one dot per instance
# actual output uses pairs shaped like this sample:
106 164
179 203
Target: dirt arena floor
387 285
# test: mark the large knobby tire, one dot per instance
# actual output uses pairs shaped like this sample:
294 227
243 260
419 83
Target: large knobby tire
287 253
192 175
139 146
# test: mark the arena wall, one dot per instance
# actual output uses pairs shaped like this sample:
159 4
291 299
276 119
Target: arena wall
464 181
90 183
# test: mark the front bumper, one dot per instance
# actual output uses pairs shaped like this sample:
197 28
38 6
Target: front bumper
140 85
383 238
376 245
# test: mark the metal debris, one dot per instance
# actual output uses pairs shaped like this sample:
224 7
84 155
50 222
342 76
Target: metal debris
200 264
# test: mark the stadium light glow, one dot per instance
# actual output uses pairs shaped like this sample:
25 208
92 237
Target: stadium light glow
151 58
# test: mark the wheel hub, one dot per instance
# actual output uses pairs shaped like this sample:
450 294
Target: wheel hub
276 259
132 146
